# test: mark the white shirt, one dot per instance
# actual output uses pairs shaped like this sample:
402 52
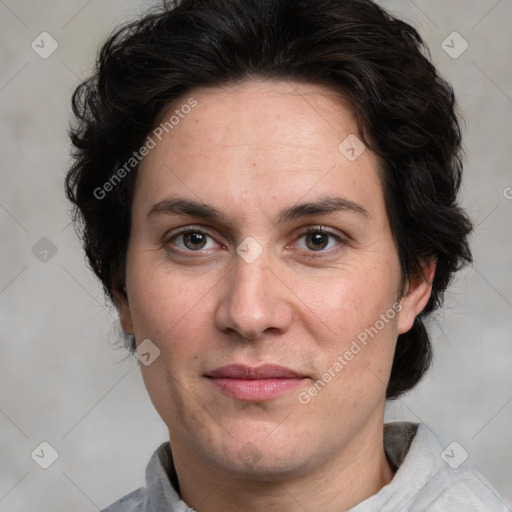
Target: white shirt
422 482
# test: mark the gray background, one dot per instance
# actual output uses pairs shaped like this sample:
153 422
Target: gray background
65 381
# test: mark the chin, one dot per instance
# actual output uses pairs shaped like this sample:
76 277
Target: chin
263 460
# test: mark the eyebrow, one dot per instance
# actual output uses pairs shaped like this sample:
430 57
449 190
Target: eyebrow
324 205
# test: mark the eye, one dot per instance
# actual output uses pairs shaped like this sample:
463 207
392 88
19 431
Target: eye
319 239
192 240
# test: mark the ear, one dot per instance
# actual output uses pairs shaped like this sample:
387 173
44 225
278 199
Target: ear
416 296
123 308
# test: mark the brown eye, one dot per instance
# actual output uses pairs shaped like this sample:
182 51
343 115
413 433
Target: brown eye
317 240
192 240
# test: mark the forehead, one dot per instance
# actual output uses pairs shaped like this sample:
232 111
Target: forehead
262 117
253 143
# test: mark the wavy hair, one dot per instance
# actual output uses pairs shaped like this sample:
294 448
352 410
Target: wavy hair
405 111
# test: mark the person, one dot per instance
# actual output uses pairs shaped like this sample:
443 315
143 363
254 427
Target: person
267 190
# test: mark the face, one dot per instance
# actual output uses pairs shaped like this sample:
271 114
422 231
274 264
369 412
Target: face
262 266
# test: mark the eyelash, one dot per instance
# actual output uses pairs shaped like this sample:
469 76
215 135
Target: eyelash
310 230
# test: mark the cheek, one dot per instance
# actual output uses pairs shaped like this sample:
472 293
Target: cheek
353 299
362 314
161 299
170 310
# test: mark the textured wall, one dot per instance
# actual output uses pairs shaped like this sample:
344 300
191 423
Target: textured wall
63 381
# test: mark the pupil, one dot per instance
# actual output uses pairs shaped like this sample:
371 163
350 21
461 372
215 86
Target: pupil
195 239
318 240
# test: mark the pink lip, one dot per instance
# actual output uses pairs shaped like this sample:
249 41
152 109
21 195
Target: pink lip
254 383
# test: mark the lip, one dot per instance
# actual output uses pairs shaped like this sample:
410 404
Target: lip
265 371
254 384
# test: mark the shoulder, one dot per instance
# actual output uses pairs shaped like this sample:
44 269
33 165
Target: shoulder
460 490
446 486
160 492
428 479
132 502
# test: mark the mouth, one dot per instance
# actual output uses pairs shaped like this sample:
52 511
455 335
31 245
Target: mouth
254 384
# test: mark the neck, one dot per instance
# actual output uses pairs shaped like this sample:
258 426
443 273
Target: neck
340 483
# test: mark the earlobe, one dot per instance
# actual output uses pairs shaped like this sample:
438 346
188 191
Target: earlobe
123 309
416 297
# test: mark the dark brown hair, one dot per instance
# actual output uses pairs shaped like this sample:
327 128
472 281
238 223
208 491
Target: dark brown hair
405 112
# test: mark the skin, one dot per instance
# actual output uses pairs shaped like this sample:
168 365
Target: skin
251 150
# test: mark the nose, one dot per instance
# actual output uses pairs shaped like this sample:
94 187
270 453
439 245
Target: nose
254 299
